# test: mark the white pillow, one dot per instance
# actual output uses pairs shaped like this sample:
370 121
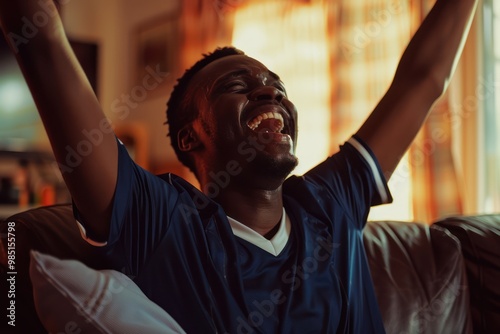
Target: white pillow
73 298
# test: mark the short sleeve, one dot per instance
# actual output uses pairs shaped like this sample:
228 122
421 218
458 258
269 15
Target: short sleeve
353 178
140 214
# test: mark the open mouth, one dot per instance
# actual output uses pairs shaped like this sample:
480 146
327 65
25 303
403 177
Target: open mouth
267 122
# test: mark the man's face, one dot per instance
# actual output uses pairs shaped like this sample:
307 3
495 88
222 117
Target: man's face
245 115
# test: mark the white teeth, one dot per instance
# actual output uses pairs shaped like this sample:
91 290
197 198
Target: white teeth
254 123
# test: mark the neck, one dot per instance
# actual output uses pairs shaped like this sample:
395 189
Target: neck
251 197
260 210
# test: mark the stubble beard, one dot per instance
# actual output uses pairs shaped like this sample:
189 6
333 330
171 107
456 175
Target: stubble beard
273 168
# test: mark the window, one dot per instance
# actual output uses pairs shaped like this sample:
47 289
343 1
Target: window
490 178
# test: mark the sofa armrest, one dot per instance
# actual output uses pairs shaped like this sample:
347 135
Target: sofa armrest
51 230
480 240
419 278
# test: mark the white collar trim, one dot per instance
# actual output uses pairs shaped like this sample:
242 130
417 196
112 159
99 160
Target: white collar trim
273 246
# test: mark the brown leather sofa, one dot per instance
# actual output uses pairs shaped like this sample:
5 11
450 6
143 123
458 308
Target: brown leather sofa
439 279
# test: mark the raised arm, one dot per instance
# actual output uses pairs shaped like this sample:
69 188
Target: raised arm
67 105
421 77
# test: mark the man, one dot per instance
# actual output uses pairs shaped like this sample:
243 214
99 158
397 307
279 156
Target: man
253 253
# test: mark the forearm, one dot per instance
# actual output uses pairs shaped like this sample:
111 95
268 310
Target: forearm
24 21
422 75
66 102
435 49
59 87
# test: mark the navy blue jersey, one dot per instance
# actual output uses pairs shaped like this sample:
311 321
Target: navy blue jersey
181 250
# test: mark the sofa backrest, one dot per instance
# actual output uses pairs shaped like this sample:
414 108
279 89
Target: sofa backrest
419 278
479 236
418 271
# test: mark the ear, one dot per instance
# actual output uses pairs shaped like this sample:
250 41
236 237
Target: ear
187 139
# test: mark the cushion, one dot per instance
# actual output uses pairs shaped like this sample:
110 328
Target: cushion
49 230
71 297
419 278
479 236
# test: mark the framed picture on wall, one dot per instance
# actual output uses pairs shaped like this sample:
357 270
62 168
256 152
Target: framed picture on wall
157 45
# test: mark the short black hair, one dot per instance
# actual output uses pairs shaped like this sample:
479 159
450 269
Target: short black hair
180 108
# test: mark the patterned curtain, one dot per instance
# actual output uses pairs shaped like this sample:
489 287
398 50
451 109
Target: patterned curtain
291 38
364 40
436 185
368 38
206 25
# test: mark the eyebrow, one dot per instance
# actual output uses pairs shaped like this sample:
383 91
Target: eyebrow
241 72
274 75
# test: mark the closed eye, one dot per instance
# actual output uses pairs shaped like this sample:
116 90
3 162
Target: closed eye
280 87
235 86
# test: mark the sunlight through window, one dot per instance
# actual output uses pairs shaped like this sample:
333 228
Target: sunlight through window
291 39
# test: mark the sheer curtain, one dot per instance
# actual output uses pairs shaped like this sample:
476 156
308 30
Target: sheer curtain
437 174
368 38
337 59
434 178
291 38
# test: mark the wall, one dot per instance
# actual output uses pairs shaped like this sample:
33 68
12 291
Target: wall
112 24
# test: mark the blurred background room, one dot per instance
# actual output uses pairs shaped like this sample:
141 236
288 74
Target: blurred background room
336 57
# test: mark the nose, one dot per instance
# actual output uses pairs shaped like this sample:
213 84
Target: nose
266 93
